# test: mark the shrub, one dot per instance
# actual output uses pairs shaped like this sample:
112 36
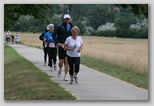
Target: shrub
107 33
81 26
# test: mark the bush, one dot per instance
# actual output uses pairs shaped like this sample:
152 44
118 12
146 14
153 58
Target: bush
123 33
133 33
81 26
107 33
141 33
55 20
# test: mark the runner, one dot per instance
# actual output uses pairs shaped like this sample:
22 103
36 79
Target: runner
12 37
16 38
73 45
63 31
51 43
41 37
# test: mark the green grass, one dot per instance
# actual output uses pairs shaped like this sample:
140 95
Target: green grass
23 81
128 75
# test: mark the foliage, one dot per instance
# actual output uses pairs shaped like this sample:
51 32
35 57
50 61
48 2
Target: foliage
106 33
85 16
81 26
137 9
29 24
13 11
124 33
99 15
55 20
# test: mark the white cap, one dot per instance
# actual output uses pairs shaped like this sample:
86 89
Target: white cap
66 16
49 26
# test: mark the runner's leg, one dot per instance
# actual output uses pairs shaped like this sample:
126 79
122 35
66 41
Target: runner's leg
45 55
71 70
50 56
54 57
77 68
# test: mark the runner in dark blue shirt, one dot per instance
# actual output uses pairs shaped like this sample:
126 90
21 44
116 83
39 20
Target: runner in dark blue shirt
63 30
41 37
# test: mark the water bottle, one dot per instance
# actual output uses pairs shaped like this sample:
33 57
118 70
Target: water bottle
74 46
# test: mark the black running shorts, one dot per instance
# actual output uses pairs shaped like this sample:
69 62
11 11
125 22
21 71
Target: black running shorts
61 53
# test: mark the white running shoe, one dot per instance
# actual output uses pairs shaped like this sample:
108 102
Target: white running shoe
65 78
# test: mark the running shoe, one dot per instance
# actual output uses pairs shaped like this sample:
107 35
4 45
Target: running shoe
50 68
55 67
71 81
59 73
65 78
76 79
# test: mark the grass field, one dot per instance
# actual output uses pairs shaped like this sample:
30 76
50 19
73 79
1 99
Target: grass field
23 81
129 53
128 75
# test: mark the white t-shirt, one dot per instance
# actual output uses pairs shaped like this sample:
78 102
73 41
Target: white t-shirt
74 43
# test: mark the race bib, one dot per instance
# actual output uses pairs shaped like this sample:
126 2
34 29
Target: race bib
52 45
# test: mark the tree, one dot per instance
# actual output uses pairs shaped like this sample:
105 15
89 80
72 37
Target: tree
56 9
16 28
13 11
99 15
55 20
137 9
122 27
123 22
81 27
78 12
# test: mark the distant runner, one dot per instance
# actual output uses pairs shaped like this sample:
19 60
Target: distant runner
16 38
8 37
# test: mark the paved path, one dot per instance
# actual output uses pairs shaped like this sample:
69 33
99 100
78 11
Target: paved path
93 85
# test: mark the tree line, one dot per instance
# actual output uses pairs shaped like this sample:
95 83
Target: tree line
127 21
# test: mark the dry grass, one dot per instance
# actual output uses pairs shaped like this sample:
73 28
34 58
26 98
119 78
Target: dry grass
30 39
130 53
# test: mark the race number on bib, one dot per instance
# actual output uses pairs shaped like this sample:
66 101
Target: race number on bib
51 45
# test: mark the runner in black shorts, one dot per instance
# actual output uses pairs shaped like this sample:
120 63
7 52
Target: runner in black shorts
63 31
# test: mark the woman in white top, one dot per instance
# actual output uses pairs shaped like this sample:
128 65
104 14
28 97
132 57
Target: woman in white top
73 45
